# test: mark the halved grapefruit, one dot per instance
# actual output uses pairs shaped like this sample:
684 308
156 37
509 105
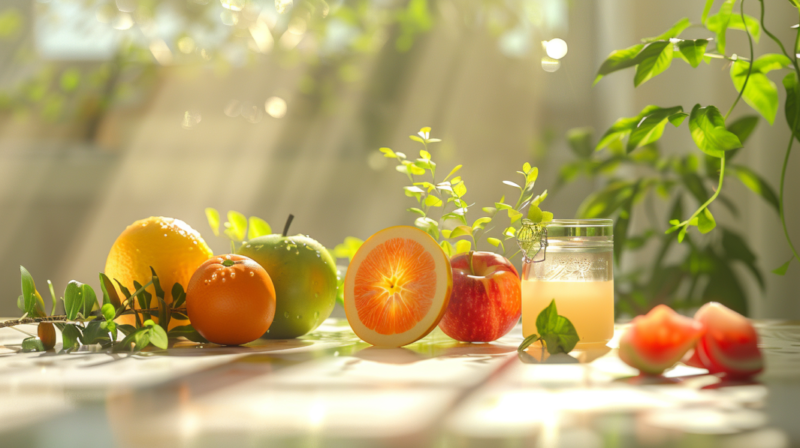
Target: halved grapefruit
397 287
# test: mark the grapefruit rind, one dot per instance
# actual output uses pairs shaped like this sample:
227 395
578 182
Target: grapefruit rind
438 301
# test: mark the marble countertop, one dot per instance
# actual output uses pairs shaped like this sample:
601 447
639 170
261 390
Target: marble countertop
331 389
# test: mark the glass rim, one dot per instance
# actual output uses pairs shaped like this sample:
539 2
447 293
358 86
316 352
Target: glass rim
589 222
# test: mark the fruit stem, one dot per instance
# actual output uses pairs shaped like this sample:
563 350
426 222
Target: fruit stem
288 223
228 263
471 268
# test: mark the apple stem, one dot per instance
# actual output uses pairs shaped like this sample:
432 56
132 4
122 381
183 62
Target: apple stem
288 223
471 269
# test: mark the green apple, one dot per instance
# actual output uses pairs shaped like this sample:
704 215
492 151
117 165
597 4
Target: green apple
304 275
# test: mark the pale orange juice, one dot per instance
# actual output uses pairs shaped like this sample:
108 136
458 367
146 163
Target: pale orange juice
589 305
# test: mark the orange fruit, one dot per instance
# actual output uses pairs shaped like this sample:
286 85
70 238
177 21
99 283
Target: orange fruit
230 300
169 245
397 287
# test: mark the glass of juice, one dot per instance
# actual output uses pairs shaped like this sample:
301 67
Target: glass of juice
571 262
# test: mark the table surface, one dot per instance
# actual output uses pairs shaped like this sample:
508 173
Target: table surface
331 389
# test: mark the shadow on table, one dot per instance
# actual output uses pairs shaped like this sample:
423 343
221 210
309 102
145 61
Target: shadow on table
428 350
209 349
537 354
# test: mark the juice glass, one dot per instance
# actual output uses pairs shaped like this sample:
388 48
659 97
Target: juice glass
570 260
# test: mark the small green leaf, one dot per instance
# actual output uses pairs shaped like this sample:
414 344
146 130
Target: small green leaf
708 131
461 231
580 141
213 220
70 337
178 295
94 333
433 201
73 300
693 50
108 311
447 247
623 127
257 227
28 291
428 225
761 93
142 339
743 127
757 185
480 223
706 10
651 127
705 221
388 153
783 268
752 24
453 171
535 213
514 215
109 292
425 154
792 101
532 175
188 332
158 337
32 344
460 190
526 167
236 225
618 60
463 246
547 318
718 23
527 342
416 138
653 60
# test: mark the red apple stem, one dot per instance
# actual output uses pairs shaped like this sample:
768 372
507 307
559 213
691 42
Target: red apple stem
288 223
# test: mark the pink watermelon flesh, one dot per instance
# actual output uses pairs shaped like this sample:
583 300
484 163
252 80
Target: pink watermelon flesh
730 343
658 340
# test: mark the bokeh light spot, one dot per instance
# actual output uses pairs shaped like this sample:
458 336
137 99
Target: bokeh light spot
186 44
275 107
282 5
556 48
191 118
550 65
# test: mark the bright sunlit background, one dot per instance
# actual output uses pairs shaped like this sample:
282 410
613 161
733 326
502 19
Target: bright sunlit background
113 111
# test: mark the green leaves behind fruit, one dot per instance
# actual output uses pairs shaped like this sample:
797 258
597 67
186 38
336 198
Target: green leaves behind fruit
760 93
257 227
28 291
188 332
70 337
781 270
654 58
757 185
32 344
348 248
792 103
213 220
80 299
709 133
644 128
236 226
693 51
555 331
618 60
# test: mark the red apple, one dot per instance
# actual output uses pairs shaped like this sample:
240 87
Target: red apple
485 303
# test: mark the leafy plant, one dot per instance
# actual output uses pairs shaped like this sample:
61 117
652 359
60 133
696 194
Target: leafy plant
87 321
556 332
448 198
706 270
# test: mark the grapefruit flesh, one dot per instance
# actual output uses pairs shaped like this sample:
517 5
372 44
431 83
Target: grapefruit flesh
397 287
730 343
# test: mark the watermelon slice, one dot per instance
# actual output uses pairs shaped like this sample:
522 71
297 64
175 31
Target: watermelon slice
656 341
730 343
